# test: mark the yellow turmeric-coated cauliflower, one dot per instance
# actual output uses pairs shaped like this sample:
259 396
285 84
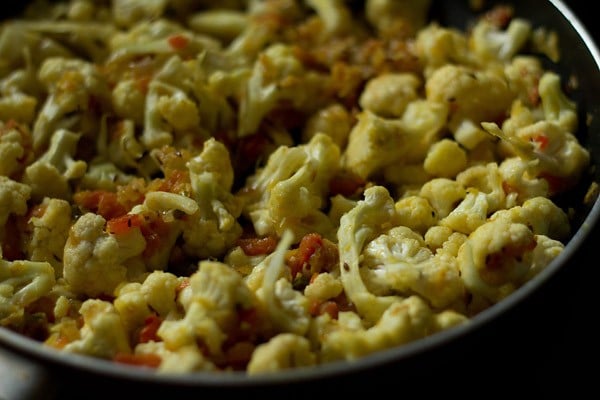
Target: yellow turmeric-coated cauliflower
13 198
400 262
405 320
213 227
215 295
281 352
50 232
289 192
95 261
102 333
471 94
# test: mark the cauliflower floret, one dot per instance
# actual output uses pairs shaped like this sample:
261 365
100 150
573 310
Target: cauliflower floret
554 153
445 159
74 88
518 182
278 76
389 17
400 262
95 262
18 106
490 43
558 108
541 215
215 295
388 95
50 174
289 192
471 94
333 120
178 361
213 228
368 219
487 179
13 198
118 145
334 14
376 142
443 194
437 46
15 148
281 352
102 333
404 321
471 213
50 232
523 74
496 258
21 283
416 213
323 287
286 308
136 301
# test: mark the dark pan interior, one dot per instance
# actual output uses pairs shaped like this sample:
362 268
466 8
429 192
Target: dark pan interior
509 332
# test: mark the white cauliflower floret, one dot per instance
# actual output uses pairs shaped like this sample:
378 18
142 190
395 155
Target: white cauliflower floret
323 287
400 262
388 95
491 43
445 159
404 321
284 351
15 149
50 232
178 361
213 228
416 213
74 86
368 219
554 153
471 213
496 258
18 106
118 145
22 282
95 262
437 46
523 74
487 179
443 194
333 120
278 75
375 143
518 182
541 215
287 309
558 108
13 198
289 192
51 173
215 295
222 23
471 94
102 333
136 301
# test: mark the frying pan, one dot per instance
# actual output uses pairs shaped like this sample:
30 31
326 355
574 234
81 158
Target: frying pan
533 339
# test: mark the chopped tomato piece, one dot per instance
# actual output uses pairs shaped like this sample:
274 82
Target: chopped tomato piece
258 246
299 257
148 332
178 42
121 225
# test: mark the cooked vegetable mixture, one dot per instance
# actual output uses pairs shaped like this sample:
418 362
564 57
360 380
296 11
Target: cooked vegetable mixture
265 185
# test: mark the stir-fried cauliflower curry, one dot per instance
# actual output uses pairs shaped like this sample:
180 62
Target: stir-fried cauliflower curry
272 184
